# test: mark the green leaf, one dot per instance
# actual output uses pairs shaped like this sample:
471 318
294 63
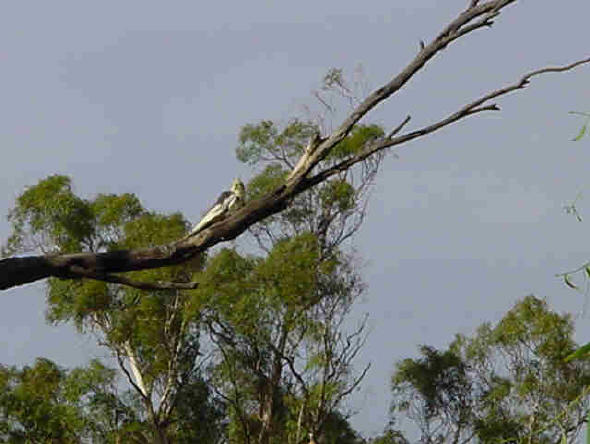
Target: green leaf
568 282
581 133
581 352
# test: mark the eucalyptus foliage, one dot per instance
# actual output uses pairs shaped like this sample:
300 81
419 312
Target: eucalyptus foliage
45 403
283 360
258 353
508 382
150 333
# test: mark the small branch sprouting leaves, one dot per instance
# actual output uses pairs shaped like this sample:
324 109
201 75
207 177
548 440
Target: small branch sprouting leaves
572 208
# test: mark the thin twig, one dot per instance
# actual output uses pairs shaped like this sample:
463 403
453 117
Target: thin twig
80 272
398 128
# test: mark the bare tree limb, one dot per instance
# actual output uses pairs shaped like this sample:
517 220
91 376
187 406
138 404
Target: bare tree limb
474 107
459 27
398 128
139 389
21 270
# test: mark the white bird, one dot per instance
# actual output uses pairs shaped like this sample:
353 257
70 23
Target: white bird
226 202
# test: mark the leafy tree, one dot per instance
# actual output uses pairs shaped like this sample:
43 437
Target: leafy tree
283 361
282 358
156 344
506 383
45 403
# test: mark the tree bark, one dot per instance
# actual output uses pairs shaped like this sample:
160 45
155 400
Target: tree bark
22 270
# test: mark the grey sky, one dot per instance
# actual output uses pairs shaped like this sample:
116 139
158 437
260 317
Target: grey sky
148 97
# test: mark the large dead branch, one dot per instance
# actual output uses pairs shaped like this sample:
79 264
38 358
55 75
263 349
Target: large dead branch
21 270
477 106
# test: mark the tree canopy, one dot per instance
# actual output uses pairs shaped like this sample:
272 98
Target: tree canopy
508 382
258 352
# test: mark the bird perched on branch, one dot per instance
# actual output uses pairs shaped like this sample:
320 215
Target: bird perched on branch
227 202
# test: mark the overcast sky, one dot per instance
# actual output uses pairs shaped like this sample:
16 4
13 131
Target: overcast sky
148 97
